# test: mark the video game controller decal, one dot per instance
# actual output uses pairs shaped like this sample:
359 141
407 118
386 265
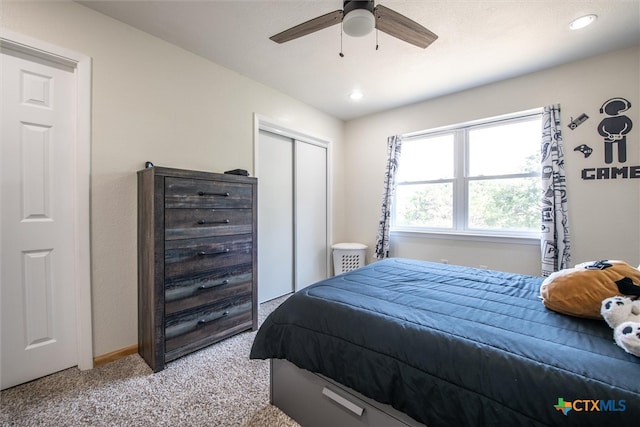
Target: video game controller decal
584 149
577 121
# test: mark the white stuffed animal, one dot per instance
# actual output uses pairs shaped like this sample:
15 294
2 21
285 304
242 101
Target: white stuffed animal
623 315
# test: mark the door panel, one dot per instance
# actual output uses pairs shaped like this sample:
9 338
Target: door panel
38 319
310 213
275 216
292 214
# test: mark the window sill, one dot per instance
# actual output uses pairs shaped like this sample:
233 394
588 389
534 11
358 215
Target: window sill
519 239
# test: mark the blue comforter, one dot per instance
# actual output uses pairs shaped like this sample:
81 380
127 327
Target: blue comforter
456 346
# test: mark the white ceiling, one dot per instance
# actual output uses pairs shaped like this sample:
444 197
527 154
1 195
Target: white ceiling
479 42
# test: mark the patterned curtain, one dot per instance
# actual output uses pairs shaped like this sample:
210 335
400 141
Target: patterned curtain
393 152
555 225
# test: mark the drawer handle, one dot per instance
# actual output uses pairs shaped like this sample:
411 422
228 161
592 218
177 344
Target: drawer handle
224 251
224 282
205 321
345 403
203 222
202 193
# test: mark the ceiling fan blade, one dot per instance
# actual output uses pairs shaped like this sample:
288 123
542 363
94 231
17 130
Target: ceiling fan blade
399 26
309 27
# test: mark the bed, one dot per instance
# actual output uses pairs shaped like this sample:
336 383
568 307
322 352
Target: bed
442 345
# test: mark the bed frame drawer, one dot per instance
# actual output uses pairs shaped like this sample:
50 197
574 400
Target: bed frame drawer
314 400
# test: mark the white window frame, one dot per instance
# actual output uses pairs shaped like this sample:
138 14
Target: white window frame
460 181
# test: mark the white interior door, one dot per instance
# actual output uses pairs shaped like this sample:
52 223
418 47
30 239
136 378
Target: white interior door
310 214
275 216
38 319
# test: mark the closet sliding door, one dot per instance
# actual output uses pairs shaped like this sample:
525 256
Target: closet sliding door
275 216
292 214
310 214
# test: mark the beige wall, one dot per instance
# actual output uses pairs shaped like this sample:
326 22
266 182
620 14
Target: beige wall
153 101
604 215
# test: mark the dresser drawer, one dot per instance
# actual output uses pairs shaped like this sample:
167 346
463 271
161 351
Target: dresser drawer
183 258
199 193
193 223
207 287
207 324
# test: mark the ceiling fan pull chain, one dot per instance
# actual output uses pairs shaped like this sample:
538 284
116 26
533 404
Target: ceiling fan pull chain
341 54
377 39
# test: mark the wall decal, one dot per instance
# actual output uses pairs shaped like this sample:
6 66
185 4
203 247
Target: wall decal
577 121
584 149
611 173
614 128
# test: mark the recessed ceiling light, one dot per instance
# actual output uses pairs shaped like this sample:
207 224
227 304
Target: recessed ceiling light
582 22
356 95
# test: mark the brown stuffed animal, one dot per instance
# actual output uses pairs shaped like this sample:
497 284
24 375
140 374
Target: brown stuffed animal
579 291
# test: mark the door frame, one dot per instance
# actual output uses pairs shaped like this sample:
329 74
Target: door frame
264 123
81 65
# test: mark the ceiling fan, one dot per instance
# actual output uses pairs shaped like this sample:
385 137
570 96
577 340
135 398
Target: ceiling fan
360 18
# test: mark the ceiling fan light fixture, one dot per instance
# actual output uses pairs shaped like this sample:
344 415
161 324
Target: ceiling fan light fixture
358 18
582 22
358 23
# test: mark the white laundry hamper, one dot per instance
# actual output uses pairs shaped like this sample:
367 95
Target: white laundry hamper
348 256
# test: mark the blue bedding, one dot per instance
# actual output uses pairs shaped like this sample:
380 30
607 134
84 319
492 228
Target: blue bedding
456 346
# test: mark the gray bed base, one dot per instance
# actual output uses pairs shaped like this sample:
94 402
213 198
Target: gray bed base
314 400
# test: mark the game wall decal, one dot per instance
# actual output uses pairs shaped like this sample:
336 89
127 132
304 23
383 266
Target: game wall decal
577 121
584 149
613 127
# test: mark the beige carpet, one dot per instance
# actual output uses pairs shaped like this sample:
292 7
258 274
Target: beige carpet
217 386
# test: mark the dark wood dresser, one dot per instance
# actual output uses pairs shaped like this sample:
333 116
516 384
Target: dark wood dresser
197 260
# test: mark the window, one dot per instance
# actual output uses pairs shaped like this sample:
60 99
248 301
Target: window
479 178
